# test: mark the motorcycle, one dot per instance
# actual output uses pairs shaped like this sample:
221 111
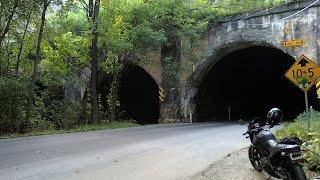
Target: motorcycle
279 158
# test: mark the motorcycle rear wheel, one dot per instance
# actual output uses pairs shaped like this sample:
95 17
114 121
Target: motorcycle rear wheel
294 172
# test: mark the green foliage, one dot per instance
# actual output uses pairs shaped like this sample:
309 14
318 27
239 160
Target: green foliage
113 102
113 67
54 109
145 38
12 102
133 28
227 7
78 128
66 56
37 125
50 111
178 18
172 71
313 151
105 125
311 141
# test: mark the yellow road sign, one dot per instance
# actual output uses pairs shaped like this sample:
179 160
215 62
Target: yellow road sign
303 73
292 43
161 94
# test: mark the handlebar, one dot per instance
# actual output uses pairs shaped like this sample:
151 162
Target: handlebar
256 129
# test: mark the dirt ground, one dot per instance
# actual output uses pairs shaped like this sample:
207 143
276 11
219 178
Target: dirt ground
235 166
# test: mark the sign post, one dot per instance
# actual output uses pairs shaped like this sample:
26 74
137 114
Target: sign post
304 73
307 108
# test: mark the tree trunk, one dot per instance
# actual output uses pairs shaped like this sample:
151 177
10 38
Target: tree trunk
24 125
94 60
22 41
90 11
6 29
7 66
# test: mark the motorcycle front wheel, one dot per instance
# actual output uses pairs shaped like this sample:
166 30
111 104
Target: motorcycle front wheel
255 158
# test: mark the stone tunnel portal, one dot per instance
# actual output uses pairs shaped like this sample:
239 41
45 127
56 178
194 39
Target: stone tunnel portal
249 82
138 95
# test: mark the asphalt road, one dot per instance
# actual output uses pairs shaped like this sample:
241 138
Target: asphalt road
149 152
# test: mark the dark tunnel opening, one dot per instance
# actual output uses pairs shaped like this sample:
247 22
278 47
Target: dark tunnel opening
247 83
138 95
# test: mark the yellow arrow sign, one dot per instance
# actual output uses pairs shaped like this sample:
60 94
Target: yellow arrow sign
303 73
161 94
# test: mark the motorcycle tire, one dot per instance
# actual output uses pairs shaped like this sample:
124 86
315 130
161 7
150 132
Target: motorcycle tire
254 157
255 160
294 172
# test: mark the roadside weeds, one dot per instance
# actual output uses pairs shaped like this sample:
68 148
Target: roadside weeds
79 128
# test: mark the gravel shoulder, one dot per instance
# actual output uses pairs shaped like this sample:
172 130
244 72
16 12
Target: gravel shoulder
234 166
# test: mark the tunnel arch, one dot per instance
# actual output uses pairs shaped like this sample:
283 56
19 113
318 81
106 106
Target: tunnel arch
138 94
221 49
236 81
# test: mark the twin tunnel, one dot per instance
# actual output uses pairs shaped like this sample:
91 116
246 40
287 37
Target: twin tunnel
243 84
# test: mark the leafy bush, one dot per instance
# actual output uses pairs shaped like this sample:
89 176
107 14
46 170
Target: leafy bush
51 108
37 125
12 103
311 140
71 114
62 115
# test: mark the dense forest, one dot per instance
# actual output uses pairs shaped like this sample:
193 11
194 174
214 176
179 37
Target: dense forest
48 45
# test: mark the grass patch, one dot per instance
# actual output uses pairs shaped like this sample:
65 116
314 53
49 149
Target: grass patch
311 139
77 128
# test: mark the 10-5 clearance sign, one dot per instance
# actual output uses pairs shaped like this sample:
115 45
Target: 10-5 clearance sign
303 73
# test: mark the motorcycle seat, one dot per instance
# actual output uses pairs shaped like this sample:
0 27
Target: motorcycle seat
291 140
283 148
